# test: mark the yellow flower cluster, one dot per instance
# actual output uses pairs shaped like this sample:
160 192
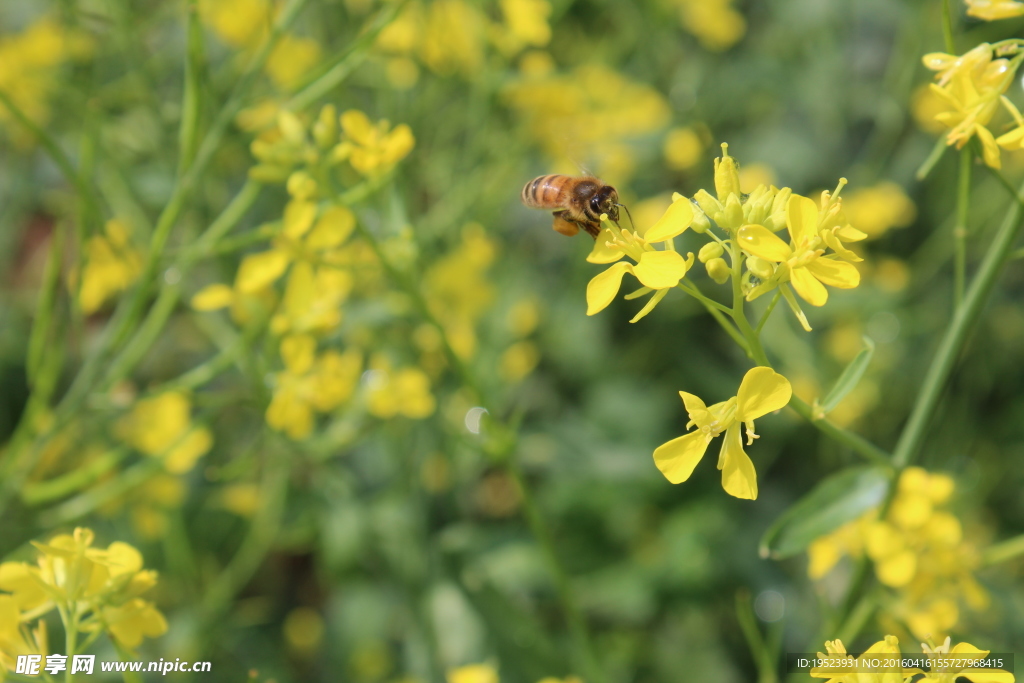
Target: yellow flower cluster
715 23
814 256
971 87
452 36
30 63
95 590
457 290
918 549
991 10
245 24
312 249
594 108
946 664
161 427
112 264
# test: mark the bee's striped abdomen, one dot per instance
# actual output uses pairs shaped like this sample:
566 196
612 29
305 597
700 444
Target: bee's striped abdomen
544 192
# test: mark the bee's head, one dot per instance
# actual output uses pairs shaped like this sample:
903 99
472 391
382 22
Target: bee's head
606 201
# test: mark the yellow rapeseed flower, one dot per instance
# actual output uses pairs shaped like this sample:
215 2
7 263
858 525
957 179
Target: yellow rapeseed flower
112 265
949 664
972 86
404 392
161 426
716 23
310 384
991 10
15 636
762 391
657 270
473 673
802 261
883 649
372 149
877 209
291 60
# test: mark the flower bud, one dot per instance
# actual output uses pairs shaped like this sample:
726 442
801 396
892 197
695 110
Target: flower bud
268 173
727 176
291 128
759 267
777 218
708 204
731 217
325 130
701 223
709 251
718 270
301 185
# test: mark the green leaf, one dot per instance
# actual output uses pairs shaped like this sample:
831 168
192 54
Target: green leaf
836 500
850 378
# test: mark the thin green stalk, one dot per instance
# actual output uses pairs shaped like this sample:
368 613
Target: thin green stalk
715 309
955 337
963 200
191 100
767 313
42 492
947 27
1001 552
346 62
42 325
759 650
70 641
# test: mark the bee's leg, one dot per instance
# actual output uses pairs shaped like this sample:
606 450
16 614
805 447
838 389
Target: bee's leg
592 227
563 224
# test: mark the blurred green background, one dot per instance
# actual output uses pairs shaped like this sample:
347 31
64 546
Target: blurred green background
390 547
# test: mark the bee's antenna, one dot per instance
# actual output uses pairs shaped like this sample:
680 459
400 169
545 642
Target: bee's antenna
633 225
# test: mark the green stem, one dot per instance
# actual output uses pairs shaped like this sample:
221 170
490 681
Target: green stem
191 99
717 310
70 641
39 493
85 192
955 337
767 313
1001 552
854 442
963 199
947 27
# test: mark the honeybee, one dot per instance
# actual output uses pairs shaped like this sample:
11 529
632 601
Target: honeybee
580 201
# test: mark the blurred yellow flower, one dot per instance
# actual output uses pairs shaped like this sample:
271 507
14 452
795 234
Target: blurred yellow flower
162 427
243 499
877 209
15 638
949 664
134 620
303 631
590 114
683 148
457 289
518 361
883 649
310 383
918 549
452 38
526 25
972 86
404 392
79 579
239 23
372 149
925 105
715 23
473 673
112 264
991 10
291 60
762 391
30 64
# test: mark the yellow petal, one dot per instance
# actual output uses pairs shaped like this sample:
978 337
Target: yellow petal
738 476
989 148
897 570
676 219
762 242
660 269
602 253
213 297
603 287
693 403
298 352
182 457
357 126
834 273
762 391
801 218
333 228
299 215
258 271
808 287
677 458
